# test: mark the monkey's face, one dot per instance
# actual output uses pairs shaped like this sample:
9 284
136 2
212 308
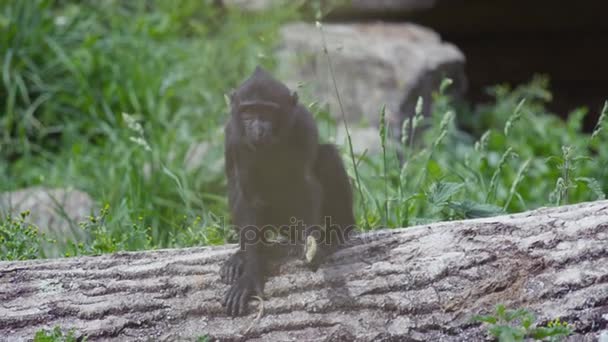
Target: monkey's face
260 123
263 109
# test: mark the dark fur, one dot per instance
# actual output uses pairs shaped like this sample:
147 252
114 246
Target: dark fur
276 171
337 202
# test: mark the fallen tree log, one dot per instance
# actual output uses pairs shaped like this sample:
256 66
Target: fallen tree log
418 284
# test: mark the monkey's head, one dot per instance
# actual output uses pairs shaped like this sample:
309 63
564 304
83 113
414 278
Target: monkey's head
263 109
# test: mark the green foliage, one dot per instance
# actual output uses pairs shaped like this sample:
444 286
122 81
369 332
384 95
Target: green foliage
523 158
204 338
110 96
20 240
70 69
92 60
516 325
56 335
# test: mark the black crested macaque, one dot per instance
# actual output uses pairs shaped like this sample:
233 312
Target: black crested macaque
280 179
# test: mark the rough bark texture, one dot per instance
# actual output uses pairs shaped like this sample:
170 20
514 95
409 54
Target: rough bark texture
417 284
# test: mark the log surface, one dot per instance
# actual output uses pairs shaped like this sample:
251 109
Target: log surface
421 283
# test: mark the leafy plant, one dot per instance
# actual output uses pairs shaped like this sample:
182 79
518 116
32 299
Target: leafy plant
56 335
20 240
523 158
516 325
204 338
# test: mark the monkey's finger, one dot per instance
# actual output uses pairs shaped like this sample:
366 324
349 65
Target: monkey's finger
229 277
238 269
232 299
230 305
234 304
234 273
223 277
243 299
240 302
227 297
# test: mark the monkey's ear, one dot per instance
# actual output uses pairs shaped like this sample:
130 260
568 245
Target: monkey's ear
294 98
233 98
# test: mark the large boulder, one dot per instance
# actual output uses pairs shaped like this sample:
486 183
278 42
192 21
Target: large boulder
365 140
343 8
364 8
374 64
253 5
56 212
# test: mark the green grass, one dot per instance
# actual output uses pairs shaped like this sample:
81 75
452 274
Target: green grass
20 240
109 96
519 157
71 69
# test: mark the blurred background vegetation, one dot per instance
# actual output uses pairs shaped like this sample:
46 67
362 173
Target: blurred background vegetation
109 96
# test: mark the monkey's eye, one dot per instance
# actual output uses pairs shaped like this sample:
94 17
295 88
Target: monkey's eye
259 108
259 115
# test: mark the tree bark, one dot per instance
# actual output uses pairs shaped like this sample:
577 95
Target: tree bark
421 283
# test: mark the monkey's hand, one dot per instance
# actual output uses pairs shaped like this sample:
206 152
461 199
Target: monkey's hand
247 285
233 268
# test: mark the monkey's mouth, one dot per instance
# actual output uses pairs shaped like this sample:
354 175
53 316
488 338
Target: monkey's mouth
262 142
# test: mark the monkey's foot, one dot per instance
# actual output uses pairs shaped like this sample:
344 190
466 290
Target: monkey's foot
232 268
238 295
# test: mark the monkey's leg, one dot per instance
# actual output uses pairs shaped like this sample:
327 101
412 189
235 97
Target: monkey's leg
337 205
305 210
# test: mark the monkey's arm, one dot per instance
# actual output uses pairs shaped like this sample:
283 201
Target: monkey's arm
238 169
246 269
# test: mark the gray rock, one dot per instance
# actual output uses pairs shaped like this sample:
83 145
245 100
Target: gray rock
364 139
367 7
373 64
343 8
56 212
254 5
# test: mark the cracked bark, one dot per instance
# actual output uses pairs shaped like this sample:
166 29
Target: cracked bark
419 284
